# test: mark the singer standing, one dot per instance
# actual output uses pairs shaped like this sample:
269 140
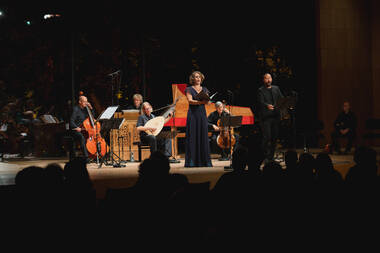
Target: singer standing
197 141
269 115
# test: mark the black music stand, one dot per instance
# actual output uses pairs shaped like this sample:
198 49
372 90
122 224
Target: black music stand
108 159
109 123
169 135
289 103
230 121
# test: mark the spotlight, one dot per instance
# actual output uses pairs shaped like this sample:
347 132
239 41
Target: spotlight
46 16
28 22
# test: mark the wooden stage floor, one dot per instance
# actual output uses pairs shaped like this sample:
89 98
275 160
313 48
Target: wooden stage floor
108 176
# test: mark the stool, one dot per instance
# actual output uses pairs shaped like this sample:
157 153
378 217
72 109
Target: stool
140 147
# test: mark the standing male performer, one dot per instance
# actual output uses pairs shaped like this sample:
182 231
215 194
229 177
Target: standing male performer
269 115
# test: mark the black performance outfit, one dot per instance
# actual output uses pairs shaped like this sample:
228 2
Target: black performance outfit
77 117
133 107
213 120
164 144
344 121
269 119
197 142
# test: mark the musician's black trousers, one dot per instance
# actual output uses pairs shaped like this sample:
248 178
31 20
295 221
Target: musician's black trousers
269 128
82 141
336 135
164 144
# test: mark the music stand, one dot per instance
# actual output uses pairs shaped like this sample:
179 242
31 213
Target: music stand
289 103
230 121
109 123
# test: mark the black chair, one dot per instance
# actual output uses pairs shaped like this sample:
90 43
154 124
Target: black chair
312 134
373 129
71 146
140 146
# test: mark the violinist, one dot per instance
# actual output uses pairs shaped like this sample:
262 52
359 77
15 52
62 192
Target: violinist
78 115
213 118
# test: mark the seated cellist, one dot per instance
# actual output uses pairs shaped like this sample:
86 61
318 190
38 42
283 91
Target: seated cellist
78 115
213 118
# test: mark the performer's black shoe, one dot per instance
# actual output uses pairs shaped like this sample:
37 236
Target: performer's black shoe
223 158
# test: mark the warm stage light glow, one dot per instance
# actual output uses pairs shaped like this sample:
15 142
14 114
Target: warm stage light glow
46 16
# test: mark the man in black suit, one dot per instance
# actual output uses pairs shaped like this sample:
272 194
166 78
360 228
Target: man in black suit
345 126
269 115
78 115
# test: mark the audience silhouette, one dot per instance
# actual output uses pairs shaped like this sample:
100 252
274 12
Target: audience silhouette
162 204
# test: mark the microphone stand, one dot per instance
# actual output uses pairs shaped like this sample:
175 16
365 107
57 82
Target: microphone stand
174 160
230 167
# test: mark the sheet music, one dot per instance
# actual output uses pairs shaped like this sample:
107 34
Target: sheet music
202 96
109 112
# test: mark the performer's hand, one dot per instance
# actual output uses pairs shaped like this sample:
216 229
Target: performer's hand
89 105
216 128
78 129
152 129
270 107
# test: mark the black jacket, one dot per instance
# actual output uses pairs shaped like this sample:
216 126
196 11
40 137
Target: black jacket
265 97
345 120
78 116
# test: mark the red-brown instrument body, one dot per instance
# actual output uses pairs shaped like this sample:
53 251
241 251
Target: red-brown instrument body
94 138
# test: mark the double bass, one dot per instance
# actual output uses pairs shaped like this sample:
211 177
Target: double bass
95 144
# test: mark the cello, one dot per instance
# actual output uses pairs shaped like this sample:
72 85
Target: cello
226 137
95 144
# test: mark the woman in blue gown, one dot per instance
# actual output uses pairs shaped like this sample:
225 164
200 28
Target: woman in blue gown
197 141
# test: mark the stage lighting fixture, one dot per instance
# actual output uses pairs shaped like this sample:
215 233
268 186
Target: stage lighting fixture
46 16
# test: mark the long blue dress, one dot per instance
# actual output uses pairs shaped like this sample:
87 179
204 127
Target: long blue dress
197 141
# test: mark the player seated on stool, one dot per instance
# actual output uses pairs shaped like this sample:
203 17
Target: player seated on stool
220 111
345 126
164 144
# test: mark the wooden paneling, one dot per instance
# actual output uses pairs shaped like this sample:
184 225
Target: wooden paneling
345 65
121 140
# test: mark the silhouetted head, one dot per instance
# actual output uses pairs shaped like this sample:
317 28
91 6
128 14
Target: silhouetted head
30 179
76 172
306 165
54 175
365 155
291 159
272 170
323 163
161 162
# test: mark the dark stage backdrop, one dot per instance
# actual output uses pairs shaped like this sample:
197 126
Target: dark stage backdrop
155 46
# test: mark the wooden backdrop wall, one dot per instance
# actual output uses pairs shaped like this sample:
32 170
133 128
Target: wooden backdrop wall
348 60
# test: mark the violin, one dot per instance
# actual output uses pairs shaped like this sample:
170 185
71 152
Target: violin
95 144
